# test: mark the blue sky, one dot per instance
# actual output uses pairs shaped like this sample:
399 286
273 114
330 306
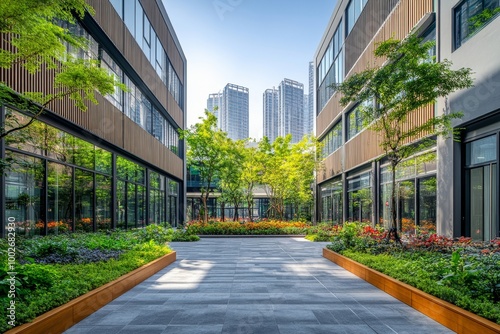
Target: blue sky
252 43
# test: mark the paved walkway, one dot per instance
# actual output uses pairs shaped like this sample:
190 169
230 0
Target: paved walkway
255 285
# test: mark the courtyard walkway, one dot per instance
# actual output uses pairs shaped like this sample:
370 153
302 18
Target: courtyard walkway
255 285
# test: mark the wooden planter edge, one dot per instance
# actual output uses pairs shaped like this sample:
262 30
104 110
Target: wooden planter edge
447 314
63 317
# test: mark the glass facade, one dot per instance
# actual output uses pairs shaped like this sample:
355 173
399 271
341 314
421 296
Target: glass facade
415 195
133 102
472 15
140 27
331 202
59 182
331 68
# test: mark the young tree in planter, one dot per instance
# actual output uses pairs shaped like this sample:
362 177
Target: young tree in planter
205 152
389 94
34 41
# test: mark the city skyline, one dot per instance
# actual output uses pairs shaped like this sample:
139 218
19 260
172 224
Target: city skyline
251 43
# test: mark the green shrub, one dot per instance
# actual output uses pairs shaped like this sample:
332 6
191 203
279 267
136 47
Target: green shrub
42 287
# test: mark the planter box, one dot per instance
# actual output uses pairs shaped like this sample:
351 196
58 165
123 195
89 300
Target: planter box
63 317
447 314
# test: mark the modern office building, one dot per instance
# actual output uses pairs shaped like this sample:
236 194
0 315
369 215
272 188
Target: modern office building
451 188
214 104
233 110
120 164
307 122
270 117
291 109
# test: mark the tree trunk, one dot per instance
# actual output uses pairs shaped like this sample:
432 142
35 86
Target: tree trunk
393 230
204 200
222 211
235 218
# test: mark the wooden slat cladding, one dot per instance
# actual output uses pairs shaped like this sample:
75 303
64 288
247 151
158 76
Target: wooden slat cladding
109 21
155 17
366 146
368 23
332 165
103 119
117 31
404 17
362 148
331 110
142 145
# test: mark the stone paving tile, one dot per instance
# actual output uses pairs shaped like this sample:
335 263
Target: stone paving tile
255 285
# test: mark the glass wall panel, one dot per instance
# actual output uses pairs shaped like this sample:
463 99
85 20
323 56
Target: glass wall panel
103 201
131 205
427 205
121 205
103 161
84 201
406 206
141 206
84 154
24 188
60 198
481 150
331 202
360 198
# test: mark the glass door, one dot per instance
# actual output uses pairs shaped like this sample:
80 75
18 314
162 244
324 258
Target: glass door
482 195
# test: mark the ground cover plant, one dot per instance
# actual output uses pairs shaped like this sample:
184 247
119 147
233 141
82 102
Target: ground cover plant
52 270
461 271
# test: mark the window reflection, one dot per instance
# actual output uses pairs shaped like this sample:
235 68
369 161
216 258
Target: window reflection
23 193
84 201
60 198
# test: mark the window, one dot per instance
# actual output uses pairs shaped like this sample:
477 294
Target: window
353 12
331 68
331 202
472 15
333 140
359 198
355 120
415 194
112 67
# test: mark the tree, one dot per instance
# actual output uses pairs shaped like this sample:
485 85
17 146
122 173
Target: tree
205 152
35 39
288 172
251 175
388 94
231 182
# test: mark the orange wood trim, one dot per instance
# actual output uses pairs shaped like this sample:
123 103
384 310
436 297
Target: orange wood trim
447 314
63 317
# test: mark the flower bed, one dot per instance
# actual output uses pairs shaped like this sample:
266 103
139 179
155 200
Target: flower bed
53 270
249 228
462 272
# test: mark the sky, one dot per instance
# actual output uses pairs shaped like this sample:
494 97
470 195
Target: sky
251 43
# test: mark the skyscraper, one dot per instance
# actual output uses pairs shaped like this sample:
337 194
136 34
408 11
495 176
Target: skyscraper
291 109
232 114
270 117
214 105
